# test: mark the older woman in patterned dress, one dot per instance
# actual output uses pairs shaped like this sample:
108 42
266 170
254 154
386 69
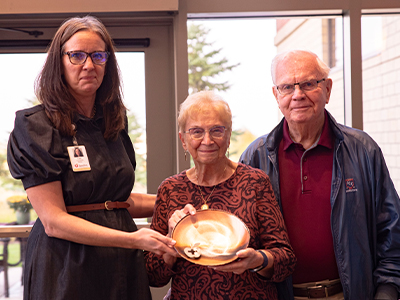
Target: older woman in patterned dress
216 182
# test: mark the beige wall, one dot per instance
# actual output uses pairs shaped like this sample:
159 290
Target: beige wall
381 74
79 6
252 7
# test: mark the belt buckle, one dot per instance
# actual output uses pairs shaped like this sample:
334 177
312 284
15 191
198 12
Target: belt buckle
319 286
106 205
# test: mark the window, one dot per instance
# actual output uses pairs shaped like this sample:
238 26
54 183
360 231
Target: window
381 73
17 93
132 70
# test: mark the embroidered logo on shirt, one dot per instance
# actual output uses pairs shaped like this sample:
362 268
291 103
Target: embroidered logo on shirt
350 185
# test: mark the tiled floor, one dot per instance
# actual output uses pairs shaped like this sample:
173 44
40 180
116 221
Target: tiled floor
14 281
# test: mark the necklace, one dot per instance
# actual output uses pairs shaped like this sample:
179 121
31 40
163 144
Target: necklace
91 115
205 205
93 112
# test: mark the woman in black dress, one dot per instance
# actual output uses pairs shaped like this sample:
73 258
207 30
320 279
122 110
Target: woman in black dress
84 245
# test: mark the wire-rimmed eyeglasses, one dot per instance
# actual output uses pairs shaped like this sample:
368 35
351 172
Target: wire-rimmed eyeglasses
80 57
216 132
305 86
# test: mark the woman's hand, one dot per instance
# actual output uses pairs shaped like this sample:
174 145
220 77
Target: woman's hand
175 218
178 215
249 259
153 241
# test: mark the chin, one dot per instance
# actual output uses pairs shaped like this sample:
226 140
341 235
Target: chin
301 118
207 160
89 90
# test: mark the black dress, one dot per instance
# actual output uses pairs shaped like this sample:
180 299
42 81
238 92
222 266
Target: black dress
60 269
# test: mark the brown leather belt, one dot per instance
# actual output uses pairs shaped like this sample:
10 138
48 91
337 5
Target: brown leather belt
108 205
319 290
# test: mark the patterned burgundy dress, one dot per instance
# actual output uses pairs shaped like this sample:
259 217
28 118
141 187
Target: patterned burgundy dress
248 194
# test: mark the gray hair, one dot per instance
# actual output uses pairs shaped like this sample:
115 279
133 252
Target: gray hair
323 68
195 104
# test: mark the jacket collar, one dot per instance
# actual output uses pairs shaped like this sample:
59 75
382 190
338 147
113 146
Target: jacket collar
325 138
276 135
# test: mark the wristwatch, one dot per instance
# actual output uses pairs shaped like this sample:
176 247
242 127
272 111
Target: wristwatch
264 264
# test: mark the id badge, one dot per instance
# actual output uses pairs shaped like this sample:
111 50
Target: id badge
79 159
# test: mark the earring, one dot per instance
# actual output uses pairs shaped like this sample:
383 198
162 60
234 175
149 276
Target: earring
228 152
185 155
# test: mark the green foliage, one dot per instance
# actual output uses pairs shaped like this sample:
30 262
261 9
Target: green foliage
34 101
203 67
19 202
6 180
14 253
3 163
135 133
234 140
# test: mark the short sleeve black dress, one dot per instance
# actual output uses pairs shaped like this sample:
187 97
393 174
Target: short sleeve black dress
60 269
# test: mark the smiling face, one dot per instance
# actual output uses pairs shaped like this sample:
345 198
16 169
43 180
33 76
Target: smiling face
299 107
206 150
83 80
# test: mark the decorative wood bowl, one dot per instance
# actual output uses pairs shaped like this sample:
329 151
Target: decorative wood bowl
211 237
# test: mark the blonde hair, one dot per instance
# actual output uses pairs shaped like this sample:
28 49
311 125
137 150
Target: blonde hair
201 103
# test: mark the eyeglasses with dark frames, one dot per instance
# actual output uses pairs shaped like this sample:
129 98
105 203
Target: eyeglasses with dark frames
216 132
305 86
80 57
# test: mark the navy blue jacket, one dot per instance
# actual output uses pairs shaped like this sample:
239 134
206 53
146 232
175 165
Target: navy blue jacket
365 206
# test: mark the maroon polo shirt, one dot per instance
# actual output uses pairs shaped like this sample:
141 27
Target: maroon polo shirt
305 186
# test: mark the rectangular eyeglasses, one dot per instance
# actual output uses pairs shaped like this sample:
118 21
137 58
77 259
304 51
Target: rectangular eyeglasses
305 86
80 57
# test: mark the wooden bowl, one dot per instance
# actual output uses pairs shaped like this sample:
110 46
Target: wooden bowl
211 237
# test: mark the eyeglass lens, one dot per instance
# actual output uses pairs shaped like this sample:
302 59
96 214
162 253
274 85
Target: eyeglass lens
80 57
310 85
215 132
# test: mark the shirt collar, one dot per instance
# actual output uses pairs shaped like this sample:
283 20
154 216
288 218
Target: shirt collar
326 139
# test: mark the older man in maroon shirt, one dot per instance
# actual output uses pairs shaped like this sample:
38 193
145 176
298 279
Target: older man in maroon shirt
306 153
339 204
